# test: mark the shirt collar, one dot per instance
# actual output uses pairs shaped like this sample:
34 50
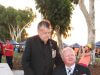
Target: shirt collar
72 68
42 40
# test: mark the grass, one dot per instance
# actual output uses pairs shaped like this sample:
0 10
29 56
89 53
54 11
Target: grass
97 61
16 60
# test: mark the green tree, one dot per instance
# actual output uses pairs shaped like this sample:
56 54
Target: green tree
58 12
13 22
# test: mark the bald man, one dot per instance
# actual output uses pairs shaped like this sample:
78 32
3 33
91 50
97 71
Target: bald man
70 67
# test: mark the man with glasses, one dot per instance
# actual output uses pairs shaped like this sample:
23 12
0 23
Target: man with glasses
41 52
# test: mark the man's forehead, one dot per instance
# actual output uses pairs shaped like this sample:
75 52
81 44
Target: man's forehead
43 28
68 50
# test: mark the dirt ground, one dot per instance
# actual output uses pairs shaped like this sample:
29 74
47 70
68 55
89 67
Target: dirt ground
95 70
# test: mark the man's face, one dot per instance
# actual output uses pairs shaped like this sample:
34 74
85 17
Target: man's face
76 48
69 57
44 33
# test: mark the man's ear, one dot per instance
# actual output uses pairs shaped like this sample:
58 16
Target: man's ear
38 31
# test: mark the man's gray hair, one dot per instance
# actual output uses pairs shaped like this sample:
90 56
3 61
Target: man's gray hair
66 49
44 23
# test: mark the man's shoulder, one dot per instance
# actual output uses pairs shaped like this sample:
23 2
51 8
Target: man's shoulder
60 67
82 70
33 38
59 70
80 67
53 41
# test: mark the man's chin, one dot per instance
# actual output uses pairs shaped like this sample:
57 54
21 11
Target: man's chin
45 41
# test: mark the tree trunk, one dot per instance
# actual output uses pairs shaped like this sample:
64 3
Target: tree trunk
90 24
60 45
92 18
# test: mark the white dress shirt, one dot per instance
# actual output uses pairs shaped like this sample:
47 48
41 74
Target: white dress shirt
71 68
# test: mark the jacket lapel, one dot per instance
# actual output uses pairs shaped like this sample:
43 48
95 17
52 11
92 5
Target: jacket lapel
76 71
64 70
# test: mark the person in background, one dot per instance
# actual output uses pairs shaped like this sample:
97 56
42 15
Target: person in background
70 67
85 58
76 49
9 52
1 50
41 52
97 52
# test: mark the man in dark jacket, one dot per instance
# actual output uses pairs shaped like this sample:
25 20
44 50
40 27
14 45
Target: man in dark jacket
70 68
41 52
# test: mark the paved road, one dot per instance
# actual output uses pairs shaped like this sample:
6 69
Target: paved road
5 70
18 72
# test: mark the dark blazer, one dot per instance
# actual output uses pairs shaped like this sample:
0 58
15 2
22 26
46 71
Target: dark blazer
37 57
79 70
